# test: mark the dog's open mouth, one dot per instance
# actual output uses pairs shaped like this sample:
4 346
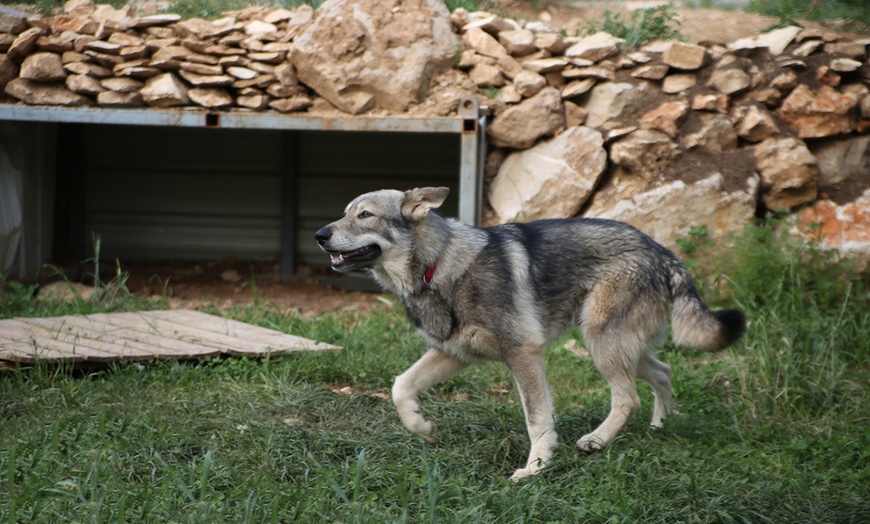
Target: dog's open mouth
357 257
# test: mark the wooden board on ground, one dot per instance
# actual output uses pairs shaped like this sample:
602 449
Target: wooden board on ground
142 335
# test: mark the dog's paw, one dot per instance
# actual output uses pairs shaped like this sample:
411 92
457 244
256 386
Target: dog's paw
428 431
520 474
590 443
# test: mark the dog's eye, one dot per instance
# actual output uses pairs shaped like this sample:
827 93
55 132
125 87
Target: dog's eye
365 214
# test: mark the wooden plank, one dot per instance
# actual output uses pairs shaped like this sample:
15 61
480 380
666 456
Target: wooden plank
209 334
145 322
164 343
151 346
141 335
23 336
280 341
23 346
73 329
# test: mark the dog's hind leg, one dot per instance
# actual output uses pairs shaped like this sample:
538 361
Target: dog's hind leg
622 323
531 378
658 374
624 401
432 368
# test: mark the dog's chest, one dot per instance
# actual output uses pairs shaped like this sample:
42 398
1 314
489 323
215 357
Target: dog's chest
433 316
442 325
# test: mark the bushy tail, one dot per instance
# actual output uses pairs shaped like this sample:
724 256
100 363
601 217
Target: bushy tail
693 324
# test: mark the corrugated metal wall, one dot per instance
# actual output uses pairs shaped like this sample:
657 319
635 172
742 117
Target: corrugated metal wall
333 168
182 193
192 193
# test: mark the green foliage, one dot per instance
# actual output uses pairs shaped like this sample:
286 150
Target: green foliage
774 430
52 7
697 244
468 5
17 299
643 25
211 9
809 319
791 11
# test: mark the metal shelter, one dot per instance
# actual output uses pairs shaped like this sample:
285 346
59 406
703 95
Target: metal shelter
197 184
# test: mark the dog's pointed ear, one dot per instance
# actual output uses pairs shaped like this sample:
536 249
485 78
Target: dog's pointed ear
420 200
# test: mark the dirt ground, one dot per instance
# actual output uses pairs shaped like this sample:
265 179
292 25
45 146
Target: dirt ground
229 282
226 283
696 25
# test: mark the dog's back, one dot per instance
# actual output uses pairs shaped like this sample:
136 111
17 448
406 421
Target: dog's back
559 264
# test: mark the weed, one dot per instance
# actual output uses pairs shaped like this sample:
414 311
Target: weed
492 92
468 5
644 25
789 12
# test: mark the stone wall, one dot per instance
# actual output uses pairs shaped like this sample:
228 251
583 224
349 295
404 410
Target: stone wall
668 136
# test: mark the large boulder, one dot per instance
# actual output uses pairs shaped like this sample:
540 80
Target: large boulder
607 101
551 180
841 227
667 212
43 67
789 173
165 90
644 153
814 114
711 132
521 125
38 93
374 53
842 159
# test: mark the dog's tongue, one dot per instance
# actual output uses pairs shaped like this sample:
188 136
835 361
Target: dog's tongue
336 259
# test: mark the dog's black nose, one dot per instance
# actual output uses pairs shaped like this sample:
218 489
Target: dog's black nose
323 234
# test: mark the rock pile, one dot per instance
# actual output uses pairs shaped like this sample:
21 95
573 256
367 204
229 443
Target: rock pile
667 136
675 134
259 58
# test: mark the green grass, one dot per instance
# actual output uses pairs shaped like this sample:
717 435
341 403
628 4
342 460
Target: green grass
774 430
641 26
791 11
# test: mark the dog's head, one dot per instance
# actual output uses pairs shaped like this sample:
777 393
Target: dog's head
377 224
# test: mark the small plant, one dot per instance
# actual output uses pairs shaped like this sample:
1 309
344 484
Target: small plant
468 5
695 254
644 25
789 11
15 298
211 9
491 92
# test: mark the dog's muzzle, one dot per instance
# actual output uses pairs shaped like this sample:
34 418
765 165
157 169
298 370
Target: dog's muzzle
323 235
346 260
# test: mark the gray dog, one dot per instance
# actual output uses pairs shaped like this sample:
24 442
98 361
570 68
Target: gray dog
502 293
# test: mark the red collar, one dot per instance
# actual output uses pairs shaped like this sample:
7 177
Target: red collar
427 277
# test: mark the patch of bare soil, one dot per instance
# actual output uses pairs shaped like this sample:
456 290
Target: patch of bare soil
229 282
696 25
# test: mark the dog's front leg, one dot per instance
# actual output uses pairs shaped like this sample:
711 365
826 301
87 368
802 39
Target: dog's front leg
432 368
529 371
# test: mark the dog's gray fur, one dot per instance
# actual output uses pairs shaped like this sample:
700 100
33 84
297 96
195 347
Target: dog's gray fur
502 293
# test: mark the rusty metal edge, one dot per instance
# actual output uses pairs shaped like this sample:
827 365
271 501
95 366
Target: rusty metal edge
229 119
